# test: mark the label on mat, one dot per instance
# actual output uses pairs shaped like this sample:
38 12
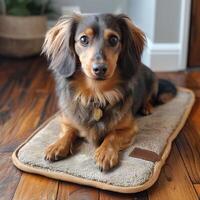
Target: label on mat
144 154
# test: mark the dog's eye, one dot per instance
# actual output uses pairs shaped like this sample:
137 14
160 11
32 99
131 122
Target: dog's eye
113 40
84 40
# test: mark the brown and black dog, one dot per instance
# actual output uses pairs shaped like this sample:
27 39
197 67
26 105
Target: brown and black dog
101 83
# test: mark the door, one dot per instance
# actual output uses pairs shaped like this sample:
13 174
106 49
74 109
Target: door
194 40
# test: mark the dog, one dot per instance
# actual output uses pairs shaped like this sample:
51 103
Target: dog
101 84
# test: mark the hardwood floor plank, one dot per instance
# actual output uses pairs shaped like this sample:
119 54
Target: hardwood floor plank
188 143
35 187
49 108
197 188
21 105
106 195
179 78
194 116
9 177
21 124
197 93
195 77
70 191
174 182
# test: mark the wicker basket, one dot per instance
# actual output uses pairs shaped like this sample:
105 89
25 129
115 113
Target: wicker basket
22 36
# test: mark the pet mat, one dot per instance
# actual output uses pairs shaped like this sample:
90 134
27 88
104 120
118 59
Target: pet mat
140 164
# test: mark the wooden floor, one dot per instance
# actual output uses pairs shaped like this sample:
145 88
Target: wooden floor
27 99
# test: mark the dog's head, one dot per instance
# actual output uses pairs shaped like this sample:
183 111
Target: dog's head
98 44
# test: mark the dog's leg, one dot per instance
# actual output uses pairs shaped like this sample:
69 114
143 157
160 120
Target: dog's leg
147 108
107 154
63 146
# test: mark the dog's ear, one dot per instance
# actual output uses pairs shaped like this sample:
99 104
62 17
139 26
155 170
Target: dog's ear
59 46
133 41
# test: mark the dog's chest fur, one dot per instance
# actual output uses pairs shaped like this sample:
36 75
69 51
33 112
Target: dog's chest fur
81 109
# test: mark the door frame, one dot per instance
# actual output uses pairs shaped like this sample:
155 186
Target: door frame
184 32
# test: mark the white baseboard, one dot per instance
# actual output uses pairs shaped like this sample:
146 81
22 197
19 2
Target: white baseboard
163 56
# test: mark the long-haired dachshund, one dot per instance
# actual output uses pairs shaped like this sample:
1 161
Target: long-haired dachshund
101 83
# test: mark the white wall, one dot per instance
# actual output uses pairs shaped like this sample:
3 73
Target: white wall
166 25
159 19
142 13
93 6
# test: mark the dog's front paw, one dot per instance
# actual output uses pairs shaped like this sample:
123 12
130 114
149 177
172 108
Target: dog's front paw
57 151
106 157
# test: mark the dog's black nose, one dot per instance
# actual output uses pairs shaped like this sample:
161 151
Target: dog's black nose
99 69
